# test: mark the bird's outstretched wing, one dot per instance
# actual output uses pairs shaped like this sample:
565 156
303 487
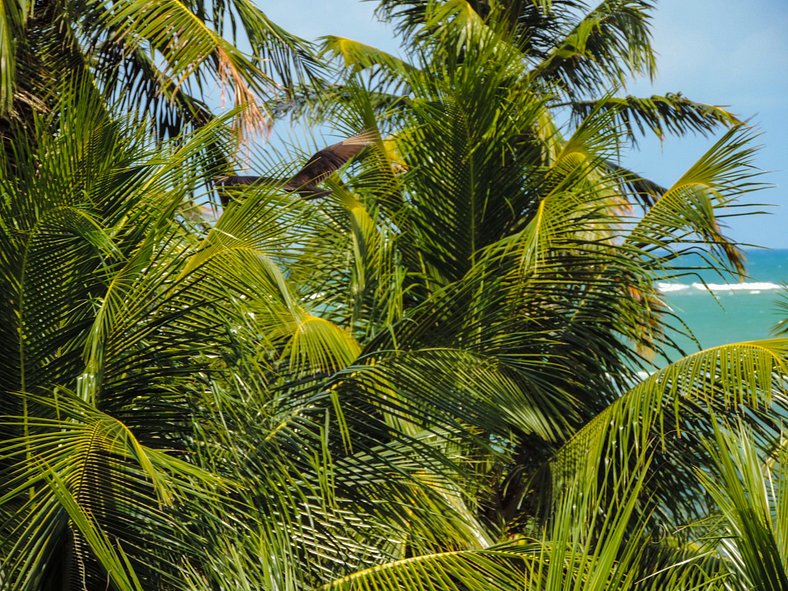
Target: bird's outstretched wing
328 160
320 166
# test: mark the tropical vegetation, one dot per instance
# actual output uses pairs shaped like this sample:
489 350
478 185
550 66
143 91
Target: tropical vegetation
453 372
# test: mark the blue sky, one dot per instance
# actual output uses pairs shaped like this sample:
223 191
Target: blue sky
722 52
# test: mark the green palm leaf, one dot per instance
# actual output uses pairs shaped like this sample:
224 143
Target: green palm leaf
672 113
85 471
751 498
610 43
13 17
674 406
688 210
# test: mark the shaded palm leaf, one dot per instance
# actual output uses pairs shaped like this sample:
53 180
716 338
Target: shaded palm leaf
672 113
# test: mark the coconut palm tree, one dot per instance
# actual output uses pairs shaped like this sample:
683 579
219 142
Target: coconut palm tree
169 392
514 281
519 254
426 378
576 57
160 61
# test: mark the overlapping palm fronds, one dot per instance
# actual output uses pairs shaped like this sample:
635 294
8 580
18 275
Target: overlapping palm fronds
427 377
158 60
751 495
572 55
167 382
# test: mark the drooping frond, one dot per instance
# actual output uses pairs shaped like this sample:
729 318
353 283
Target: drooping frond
156 61
691 209
164 26
606 47
661 115
83 475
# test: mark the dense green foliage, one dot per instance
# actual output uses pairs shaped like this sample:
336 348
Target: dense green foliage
428 379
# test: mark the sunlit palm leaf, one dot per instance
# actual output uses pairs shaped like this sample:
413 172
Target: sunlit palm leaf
690 209
751 497
673 408
360 57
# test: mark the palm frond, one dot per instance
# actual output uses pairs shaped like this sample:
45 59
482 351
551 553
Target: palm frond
360 56
84 470
135 22
282 56
13 17
608 45
751 498
671 113
674 407
692 207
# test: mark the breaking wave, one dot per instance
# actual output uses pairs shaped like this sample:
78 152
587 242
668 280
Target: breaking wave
747 287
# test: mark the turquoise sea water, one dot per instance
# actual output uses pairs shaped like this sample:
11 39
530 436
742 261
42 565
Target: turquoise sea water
733 311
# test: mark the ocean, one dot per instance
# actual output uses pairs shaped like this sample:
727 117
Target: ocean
726 310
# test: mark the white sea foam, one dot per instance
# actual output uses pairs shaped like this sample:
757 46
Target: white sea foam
668 287
756 285
751 287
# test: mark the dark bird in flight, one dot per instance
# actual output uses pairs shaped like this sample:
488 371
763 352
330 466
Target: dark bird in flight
320 166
